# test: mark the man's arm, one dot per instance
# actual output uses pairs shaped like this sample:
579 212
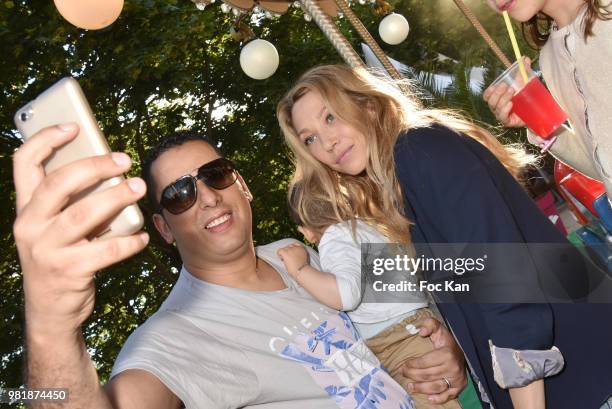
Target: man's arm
70 367
136 388
446 361
58 263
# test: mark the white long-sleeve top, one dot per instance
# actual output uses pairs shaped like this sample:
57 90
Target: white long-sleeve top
340 254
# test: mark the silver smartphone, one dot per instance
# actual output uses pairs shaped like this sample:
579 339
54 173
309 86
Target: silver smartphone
65 102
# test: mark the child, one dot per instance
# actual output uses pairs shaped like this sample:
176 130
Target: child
389 328
575 41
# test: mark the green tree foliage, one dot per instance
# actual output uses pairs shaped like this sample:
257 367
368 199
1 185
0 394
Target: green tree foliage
163 66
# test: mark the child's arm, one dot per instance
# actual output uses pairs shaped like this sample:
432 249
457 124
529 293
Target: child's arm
529 397
321 285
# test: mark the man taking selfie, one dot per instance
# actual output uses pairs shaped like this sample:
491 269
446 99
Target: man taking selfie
235 331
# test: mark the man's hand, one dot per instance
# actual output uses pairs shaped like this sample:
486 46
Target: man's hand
293 256
57 260
430 370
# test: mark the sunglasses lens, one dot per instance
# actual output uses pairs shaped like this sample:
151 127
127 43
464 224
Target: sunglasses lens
179 196
182 194
218 174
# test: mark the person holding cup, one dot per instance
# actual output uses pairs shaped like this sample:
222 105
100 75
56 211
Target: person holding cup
575 41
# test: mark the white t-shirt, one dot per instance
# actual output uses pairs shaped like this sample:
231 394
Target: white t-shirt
340 254
222 347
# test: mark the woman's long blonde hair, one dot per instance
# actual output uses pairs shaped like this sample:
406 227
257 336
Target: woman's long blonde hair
376 107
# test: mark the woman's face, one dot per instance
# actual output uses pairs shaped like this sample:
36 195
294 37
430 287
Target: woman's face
330 140
520 10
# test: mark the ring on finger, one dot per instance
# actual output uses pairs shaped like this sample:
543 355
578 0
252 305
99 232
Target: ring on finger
447 382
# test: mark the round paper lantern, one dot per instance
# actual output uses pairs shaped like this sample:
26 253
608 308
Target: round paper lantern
90 14
393 29
259 59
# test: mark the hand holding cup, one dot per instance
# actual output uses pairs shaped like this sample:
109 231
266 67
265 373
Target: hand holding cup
499 99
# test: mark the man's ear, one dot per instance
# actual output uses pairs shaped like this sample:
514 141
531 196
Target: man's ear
163 228
244 188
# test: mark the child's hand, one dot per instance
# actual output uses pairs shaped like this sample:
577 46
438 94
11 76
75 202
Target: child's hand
294 256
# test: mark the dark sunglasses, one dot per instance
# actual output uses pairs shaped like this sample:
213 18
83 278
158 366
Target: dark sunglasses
181 194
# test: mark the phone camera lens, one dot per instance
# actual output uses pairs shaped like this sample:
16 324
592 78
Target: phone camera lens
24 116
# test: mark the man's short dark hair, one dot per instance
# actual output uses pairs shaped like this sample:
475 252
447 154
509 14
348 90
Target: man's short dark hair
171 141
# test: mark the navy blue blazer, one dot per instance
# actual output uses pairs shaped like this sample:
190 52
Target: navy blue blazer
456 191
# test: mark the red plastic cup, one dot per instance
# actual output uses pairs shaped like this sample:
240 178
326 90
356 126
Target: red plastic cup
532 102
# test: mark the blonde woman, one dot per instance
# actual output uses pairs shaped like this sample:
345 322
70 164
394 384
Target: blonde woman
429 176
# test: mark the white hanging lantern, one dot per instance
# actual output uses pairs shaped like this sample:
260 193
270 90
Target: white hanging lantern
259 59
393 29
90 14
